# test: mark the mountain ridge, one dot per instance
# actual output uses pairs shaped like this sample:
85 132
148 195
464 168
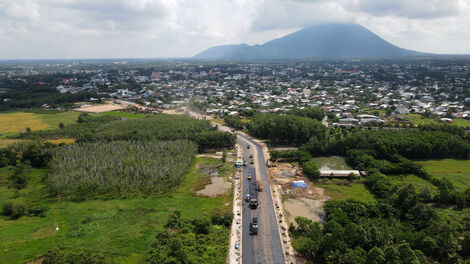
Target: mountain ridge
324 41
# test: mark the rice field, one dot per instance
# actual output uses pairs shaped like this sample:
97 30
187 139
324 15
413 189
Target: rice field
17 122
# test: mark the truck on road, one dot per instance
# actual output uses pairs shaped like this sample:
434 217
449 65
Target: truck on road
254 226
253 195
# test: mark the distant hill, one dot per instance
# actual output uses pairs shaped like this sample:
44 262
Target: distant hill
326 41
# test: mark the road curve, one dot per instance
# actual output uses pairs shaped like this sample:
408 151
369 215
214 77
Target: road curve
266 247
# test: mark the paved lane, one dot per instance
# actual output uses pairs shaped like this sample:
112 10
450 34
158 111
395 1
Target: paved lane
266 246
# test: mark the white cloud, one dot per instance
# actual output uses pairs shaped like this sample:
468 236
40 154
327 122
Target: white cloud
175 28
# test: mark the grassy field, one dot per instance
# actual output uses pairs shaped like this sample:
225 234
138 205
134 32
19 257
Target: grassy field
120 114
123 229
343 192
419 119
414 180
17 122
457 171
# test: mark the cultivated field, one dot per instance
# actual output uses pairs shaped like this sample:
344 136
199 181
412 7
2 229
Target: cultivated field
17 122
457 171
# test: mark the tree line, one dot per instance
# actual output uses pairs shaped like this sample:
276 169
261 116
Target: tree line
285 128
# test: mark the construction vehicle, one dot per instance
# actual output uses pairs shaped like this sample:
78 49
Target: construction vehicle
254 226
253 195
260 187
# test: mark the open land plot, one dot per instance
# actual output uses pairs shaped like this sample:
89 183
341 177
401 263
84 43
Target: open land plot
123 229
414 180
356 191
456 171
100 108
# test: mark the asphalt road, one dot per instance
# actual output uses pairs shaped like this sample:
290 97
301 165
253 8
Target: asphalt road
265 247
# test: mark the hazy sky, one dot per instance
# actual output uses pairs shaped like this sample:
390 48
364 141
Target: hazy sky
181 28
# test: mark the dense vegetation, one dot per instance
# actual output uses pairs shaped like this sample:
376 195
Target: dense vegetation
119 168
413 144
313 113
35 97
234 122
400 230
285 128
201 240
405 224
161 127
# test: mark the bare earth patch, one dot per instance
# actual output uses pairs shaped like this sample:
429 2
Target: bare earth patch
306 202
304 207
100 108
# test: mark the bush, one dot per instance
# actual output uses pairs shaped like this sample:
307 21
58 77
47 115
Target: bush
7 209
224 219
311 170
38 211
20 176
74 257
14 210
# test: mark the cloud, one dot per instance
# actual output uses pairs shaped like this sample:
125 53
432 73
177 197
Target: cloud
178 28
19 10
416 9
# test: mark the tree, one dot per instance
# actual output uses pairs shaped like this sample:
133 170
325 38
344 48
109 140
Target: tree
224 155
20 176
375 256
202 225
392 255
311 170
355 256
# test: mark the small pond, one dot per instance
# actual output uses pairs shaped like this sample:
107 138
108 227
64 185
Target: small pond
332 163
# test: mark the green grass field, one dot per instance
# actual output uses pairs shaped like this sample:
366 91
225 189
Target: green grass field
123 229
120 114
343 192
457 171
414 180
419 119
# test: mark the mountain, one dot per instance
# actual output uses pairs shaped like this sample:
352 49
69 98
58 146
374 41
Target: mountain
325 41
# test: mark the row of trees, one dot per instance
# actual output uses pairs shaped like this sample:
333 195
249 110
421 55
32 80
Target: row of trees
161 127
285 128
119 168
413 144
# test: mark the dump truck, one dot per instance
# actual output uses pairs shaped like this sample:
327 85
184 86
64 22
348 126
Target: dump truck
253 195
254 226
